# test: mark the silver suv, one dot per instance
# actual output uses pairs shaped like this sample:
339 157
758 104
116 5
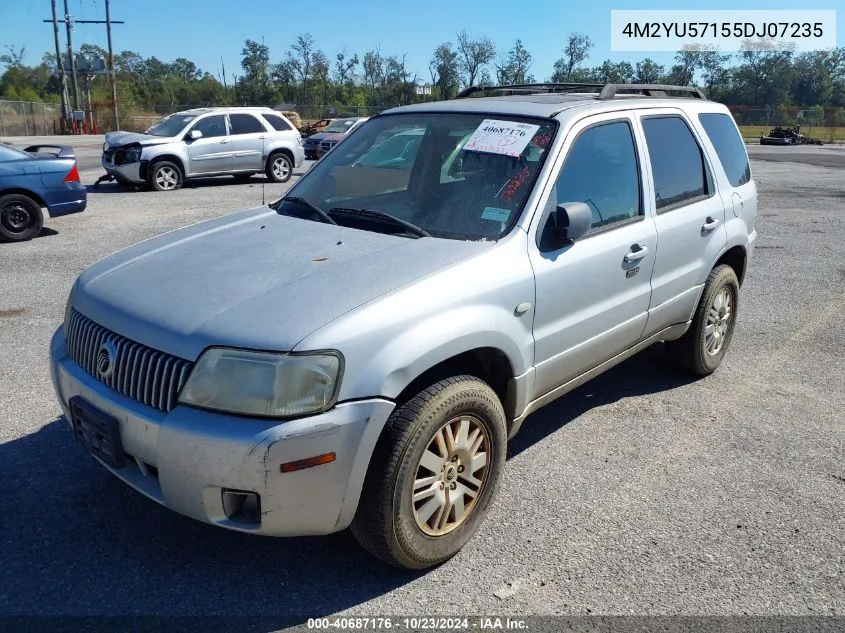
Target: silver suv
236 141
359 352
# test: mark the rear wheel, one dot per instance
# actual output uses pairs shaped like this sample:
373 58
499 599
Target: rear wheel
165 176
433 474
279 167
701 350
20 218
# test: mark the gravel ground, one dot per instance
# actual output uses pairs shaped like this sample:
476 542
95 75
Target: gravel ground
640 493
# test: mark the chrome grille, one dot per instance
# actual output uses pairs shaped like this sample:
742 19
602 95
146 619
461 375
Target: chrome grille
144 374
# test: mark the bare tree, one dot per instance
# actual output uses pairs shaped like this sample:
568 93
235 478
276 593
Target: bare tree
473 56
301 55
577 49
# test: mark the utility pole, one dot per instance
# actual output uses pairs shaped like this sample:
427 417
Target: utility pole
111 68
71 58
61 68
68 20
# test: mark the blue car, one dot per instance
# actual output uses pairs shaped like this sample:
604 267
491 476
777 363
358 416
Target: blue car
40 176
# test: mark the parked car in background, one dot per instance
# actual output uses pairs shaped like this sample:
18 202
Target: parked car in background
316 127
38 177
338 126
295 120
359 352
237 141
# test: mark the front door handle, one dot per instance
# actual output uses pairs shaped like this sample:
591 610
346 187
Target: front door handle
636 255
224 141
710 224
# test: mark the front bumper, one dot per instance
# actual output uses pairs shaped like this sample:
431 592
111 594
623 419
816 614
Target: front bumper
130 172
184 459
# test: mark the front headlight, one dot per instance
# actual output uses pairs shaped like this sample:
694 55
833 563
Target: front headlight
263 383
133 155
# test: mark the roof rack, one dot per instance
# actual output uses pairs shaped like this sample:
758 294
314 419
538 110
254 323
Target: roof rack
606 91
527 88
650 90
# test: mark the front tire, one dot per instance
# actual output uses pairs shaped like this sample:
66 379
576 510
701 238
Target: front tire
279 167
433 474
20 218
165 176
701 350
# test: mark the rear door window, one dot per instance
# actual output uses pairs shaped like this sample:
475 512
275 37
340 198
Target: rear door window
245 124
729 146
680 173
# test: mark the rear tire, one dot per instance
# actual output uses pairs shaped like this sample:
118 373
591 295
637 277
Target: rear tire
279 167
20 218
701 350
165 176
433 474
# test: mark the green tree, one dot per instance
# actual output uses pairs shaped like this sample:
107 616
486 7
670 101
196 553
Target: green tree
648 71
445 70
254 86
513 69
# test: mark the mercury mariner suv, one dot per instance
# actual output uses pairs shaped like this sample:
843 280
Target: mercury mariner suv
237 141
359 352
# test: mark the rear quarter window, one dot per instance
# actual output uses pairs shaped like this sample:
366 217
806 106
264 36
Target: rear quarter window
730 148
277 122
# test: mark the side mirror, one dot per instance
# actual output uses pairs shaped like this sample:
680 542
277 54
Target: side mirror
194 135
566 223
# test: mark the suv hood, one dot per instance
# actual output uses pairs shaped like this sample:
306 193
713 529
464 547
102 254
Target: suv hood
118 139
253 279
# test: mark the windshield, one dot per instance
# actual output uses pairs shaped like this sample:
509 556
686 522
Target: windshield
341 125
171 126
453 175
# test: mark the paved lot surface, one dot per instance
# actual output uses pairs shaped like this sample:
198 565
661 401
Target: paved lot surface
641 492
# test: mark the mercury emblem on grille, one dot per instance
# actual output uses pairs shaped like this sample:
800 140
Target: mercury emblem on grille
106 357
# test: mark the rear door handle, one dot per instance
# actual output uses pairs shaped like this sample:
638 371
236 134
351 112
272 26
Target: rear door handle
636 255
224 141
710 224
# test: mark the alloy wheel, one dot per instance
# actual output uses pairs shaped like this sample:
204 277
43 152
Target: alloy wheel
718 321
450 476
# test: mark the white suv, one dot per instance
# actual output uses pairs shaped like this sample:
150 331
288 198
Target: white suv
205 142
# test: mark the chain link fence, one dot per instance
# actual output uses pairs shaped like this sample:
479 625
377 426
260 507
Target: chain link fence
29 118
826 124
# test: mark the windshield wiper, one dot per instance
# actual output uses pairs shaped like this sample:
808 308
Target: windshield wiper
309 205
374 213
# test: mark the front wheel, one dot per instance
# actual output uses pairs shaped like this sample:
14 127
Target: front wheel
20 218
701 350
165 176
279 167
433 474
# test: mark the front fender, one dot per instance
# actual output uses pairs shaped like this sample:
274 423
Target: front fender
415 351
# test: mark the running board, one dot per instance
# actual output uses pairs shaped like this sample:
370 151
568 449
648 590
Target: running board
670 333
